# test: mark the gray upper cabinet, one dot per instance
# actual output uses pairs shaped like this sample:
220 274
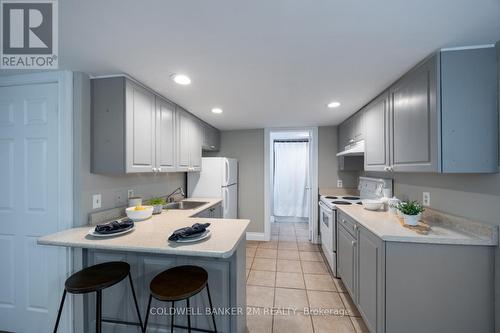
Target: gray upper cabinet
135 130
140 129
165 135
357 130
211 138
183 139
414 123
344 134
196 143
189 137
376 134
442 117
351 130
123 127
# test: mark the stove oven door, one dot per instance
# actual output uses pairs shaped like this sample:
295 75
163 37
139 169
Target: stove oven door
328 237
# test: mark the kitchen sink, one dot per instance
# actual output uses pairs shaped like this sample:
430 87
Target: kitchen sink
183 205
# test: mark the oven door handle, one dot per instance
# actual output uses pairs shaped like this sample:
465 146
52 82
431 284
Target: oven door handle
328 210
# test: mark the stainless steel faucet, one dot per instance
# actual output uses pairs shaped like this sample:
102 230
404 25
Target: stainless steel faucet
170 197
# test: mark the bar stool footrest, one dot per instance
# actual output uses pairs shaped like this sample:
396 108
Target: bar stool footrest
194 329
115 321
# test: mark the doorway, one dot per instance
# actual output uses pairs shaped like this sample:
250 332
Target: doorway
291 180
35 198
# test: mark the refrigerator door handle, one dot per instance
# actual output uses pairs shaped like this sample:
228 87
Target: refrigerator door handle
224 201
226 174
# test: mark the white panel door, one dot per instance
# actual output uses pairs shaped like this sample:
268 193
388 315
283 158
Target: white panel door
30 285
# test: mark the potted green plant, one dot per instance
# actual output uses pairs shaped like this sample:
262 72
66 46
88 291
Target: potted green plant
157 204
412 211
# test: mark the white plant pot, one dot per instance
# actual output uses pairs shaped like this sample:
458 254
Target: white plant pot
412 219
157 209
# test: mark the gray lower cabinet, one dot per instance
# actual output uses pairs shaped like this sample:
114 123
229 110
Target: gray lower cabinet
118 303
377 134
370 272
346 259
189 139
211 212
412 287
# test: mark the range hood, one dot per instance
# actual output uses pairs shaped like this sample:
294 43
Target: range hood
355 149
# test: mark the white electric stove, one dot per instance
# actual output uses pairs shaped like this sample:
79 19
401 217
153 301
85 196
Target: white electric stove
369 188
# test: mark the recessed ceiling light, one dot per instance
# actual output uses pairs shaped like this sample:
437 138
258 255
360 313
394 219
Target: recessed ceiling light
216 110
181 79
333 105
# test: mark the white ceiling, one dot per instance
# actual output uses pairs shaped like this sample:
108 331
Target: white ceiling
267 62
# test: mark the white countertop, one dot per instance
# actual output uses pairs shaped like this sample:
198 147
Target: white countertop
151 236
386 226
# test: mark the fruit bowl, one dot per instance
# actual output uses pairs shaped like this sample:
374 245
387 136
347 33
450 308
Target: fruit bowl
139 213
372 204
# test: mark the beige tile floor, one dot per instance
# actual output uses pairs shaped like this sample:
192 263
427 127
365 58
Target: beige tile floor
290 288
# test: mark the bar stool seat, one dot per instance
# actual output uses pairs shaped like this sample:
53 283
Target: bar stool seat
97 277
177 284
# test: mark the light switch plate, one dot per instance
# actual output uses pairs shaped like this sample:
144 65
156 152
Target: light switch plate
96 201
426 199
130 193
339 183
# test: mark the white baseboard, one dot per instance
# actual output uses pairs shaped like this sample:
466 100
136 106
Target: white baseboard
256 236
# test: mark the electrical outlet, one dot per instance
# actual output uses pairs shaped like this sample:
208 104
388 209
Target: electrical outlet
96 201
426 199
130 193
339 183
120 198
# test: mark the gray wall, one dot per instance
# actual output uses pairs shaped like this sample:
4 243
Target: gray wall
248 147
87 184
328 172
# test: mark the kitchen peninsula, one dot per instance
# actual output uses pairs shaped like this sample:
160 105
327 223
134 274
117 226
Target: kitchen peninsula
149 252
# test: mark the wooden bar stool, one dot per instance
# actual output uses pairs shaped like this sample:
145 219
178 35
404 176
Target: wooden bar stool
176 284
95 279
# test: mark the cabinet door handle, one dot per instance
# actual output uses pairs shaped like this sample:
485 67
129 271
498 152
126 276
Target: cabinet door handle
353 243
355 227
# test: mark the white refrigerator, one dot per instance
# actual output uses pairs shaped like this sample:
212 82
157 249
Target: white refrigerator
218 178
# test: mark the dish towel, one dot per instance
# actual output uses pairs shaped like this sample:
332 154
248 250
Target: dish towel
197 228
114 226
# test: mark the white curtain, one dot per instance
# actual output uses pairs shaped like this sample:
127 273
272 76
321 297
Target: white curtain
291 164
